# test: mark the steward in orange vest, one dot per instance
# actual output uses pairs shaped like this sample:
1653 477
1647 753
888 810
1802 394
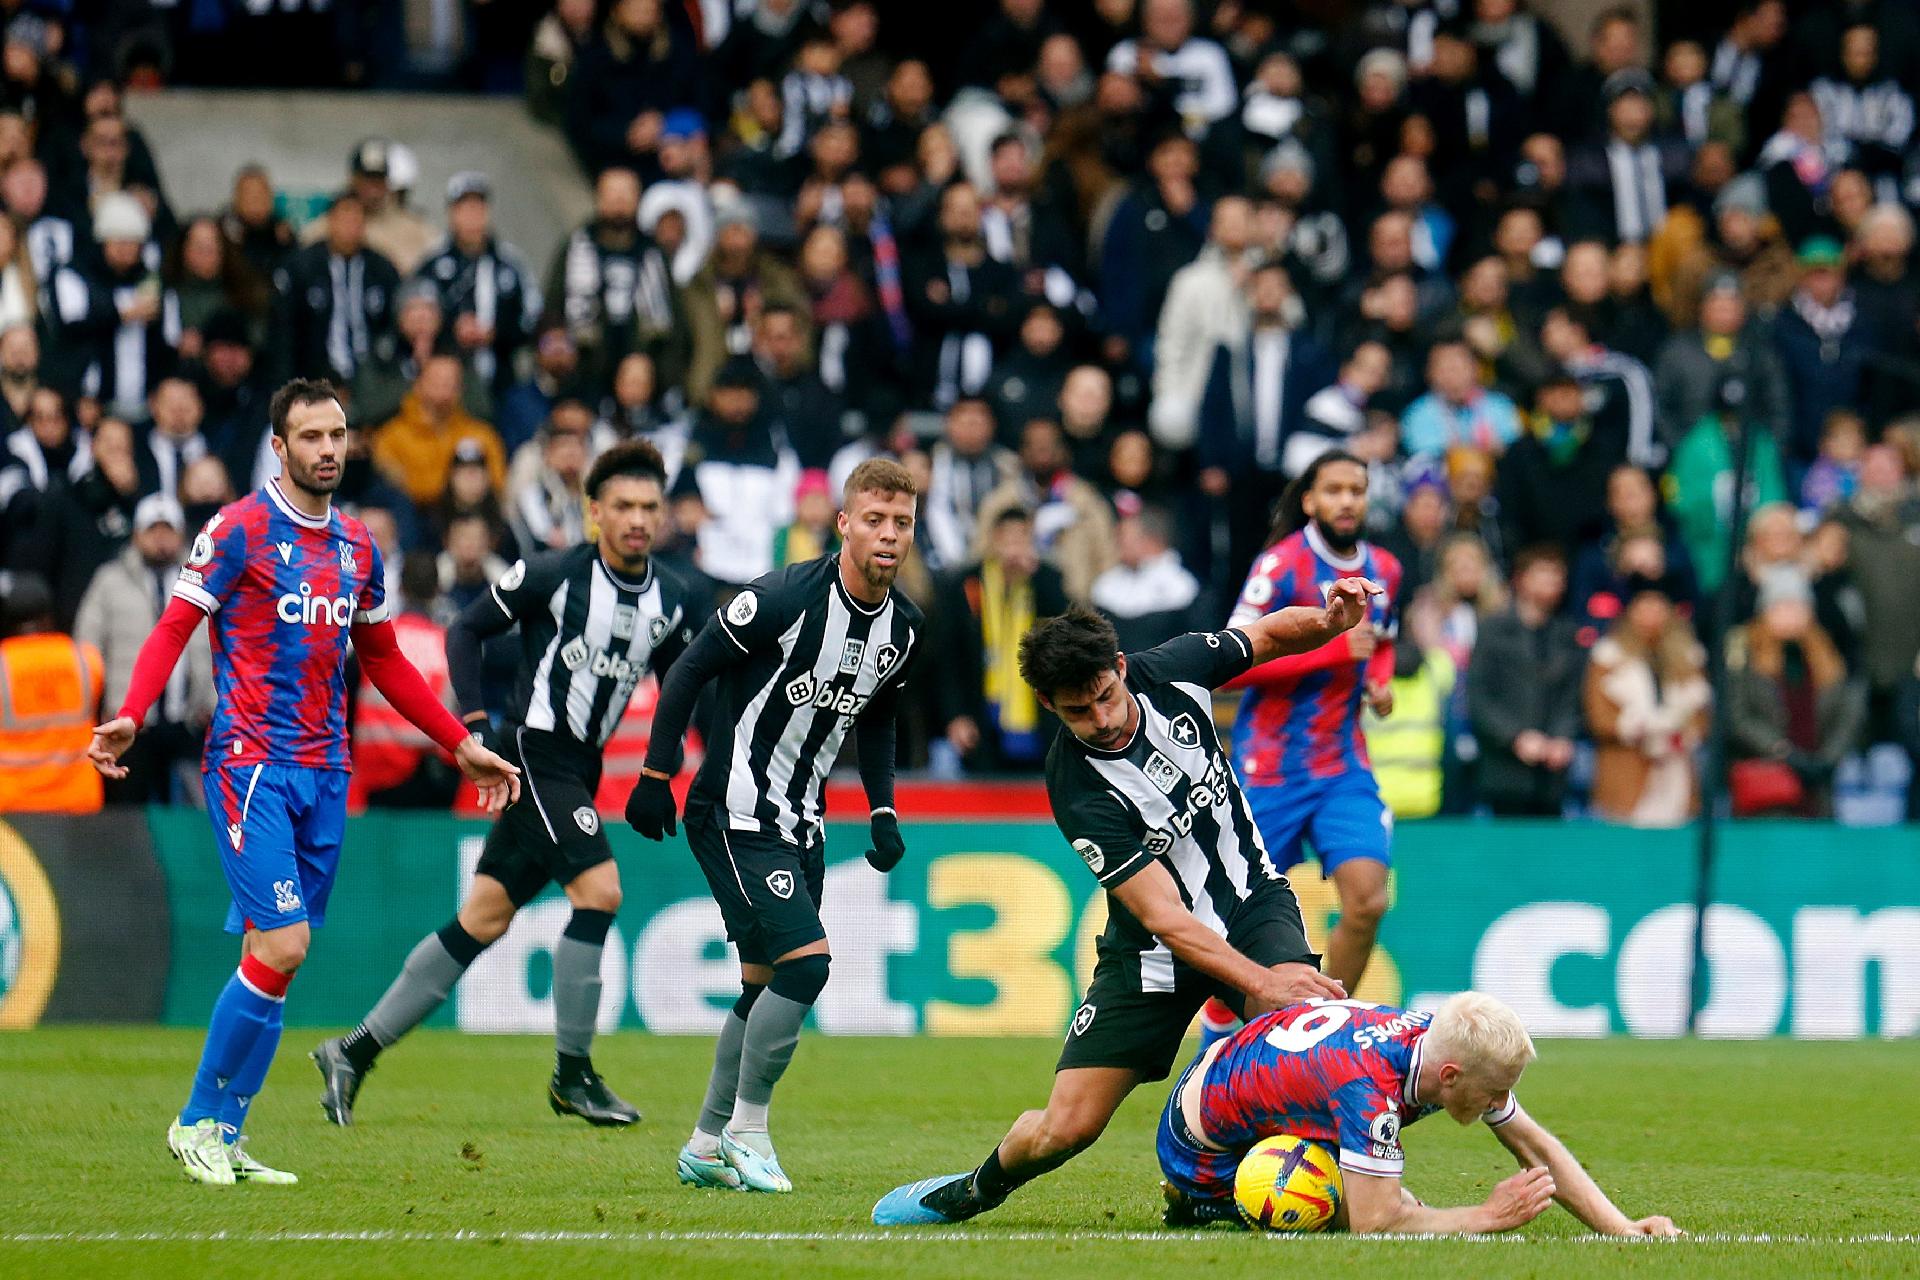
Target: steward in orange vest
49 699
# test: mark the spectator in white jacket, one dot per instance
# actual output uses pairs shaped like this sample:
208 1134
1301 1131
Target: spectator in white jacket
1148 593
1206 307
1167 50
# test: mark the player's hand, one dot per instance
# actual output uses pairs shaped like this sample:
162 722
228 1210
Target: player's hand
1519 1200
498 781
1291 983
110 742
888 847
1380 699
1656 1226
1347 601
650 809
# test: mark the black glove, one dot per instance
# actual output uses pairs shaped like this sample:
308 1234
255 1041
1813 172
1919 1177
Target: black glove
488 735
650 808
888 847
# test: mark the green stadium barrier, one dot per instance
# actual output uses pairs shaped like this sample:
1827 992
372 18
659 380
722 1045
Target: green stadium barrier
83 920
988 928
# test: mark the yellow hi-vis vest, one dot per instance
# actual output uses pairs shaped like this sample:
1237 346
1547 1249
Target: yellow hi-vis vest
1407 746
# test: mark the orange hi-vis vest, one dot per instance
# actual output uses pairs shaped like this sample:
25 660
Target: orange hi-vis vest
387 747
49 698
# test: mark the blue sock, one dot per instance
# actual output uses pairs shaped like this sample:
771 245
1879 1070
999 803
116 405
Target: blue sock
246 1082
1217 1022
240 1015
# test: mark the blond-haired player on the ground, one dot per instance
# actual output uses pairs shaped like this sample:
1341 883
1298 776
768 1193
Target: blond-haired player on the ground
1353 1075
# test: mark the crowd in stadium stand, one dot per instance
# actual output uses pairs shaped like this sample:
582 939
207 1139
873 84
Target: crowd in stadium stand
1105 275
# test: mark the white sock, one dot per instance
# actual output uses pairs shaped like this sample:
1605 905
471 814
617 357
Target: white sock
748 1117
755 1140
704 1144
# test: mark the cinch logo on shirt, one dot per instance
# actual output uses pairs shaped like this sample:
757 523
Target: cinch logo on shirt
308 608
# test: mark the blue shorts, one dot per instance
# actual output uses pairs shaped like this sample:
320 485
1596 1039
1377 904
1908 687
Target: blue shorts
278 828
1342 818
1193 1170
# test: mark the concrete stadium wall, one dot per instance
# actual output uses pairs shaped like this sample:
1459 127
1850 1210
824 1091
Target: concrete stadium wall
200 137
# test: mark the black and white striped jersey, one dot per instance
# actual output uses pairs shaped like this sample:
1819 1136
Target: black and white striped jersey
587 635
814 659
1168 796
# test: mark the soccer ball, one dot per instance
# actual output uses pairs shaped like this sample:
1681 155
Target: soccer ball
1288 1184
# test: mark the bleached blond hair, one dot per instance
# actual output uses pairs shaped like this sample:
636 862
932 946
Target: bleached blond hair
1482 1035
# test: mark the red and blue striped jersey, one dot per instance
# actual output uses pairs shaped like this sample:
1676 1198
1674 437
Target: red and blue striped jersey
282 591
1342 1072
1307 725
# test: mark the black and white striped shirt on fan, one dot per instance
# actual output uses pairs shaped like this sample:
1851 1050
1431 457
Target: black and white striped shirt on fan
816 660
587 635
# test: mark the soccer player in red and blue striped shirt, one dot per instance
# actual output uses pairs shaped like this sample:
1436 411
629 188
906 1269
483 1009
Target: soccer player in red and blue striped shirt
285 582
1353 1076
1296 741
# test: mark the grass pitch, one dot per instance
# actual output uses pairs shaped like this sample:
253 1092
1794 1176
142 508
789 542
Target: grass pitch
1783 1159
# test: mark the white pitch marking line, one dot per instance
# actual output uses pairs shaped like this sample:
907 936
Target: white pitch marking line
909 1237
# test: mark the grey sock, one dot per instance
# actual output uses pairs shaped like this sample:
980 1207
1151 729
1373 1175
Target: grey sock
576 995
423 984
718 1108
773 1028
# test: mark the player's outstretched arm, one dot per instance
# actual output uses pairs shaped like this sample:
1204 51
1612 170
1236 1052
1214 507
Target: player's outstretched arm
1153 898
1302 629
1379 1205
1577 1192
151 670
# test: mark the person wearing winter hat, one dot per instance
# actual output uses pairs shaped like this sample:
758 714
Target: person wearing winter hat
111 317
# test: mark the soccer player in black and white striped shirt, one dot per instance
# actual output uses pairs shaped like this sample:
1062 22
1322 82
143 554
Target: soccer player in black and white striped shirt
797 658
593 620
1142 789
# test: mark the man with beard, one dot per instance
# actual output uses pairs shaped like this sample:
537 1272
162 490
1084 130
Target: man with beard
286 581
615 289
1297 746
608 600
1196 908
797 658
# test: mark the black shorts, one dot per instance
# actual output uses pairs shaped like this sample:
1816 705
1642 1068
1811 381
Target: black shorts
1120 1025
553 832
768 889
